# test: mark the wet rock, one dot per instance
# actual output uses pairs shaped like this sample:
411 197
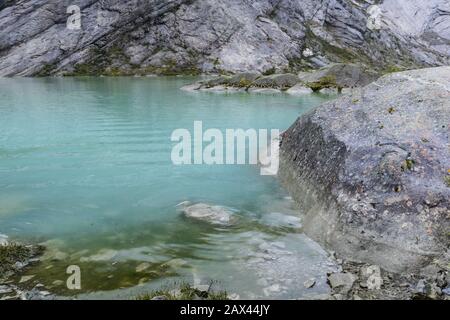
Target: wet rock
142 267
26 278
216 215
280 220
176 263
264 90
192 87
299 90
101 255
364 186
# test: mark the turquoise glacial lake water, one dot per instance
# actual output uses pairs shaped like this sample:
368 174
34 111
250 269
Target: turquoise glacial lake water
85 168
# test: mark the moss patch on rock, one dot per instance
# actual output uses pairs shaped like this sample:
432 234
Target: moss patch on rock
447 181
323 83
14 255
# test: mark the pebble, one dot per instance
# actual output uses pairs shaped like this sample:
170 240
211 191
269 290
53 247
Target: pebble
26 278
310 283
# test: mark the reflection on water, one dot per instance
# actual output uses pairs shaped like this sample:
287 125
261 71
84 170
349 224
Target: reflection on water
85 169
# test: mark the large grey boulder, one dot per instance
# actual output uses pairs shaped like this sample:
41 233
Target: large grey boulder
371 170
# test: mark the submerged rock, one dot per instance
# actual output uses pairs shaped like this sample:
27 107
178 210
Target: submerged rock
280 220
3 240
216 215
369 170
264 90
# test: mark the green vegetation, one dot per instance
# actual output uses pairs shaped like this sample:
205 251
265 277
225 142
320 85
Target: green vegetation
393 69
46 70
244 83
323 83
447 181
113 61
184 291
12 253
408 164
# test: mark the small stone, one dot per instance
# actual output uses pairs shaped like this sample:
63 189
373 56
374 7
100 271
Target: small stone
342 282
58 283
26 278
309 283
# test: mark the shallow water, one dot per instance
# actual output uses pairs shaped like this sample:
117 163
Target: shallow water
85 168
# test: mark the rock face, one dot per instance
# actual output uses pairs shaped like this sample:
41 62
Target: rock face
371 170
192 36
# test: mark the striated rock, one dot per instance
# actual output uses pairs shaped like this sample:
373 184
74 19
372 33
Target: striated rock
369 170
215 215
193 36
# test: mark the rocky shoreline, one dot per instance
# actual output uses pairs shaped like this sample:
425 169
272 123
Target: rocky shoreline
15 258
363 281
332 79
